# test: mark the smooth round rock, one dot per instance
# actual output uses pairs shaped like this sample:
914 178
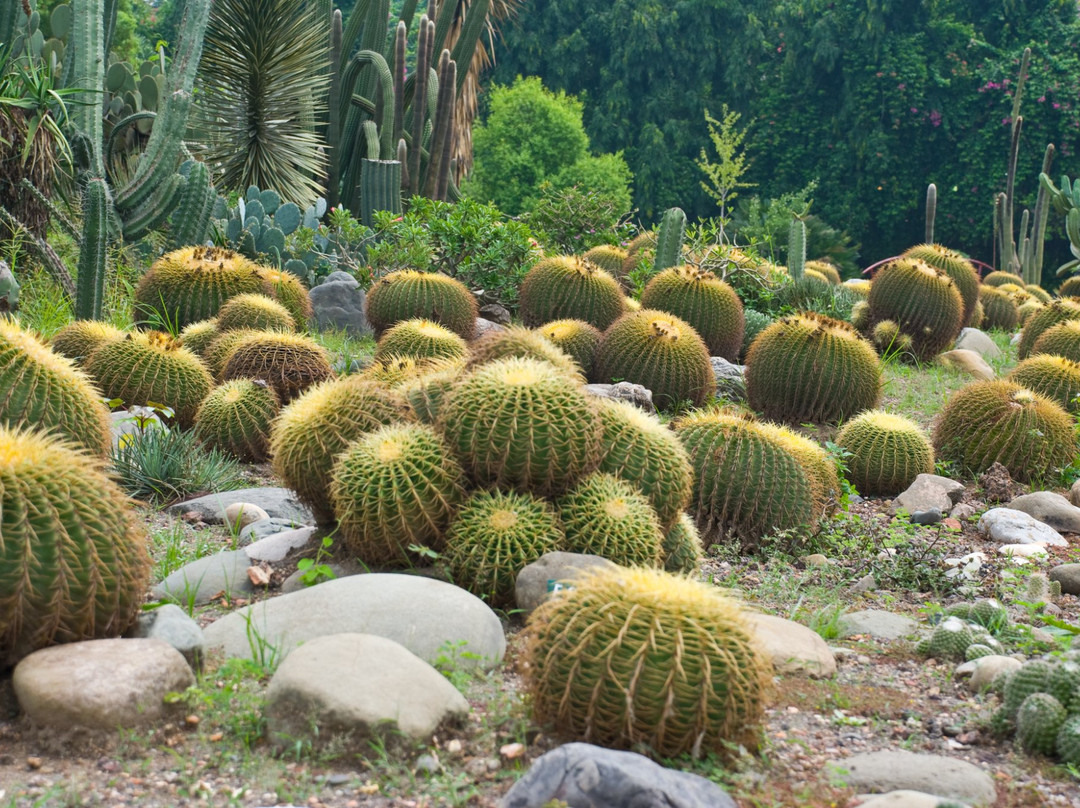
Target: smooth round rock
1010 526
239 515
172 624
896 769
792 647
101 684
1068 575
1050 509
537 580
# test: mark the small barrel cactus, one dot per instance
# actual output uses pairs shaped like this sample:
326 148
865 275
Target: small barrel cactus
79 339
1067 743
999 310
517 341
608 258
423 339
1037 723
886 452
1048 316
256 312
197 337
289 363
236 418
922 300
1055 377
682 548
609 517
564 287
956 266
705 302
408 295
577 339
1061 340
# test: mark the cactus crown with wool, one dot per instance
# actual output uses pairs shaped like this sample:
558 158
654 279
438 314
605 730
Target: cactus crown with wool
1055 377
611 518
1000 421
809 367
704 301
660 351
43 390
319 425
886 452
79 339
494 535
633 657
392 488
256 312
423 339
289 363
579 340
1059 311
520 423
565 287
73 560
408 295
923 301
236 418
1062 340
999 309
956 266
521 342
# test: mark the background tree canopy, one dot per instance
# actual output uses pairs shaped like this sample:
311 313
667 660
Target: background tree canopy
873 100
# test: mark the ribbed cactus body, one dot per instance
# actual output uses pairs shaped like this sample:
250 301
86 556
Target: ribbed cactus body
1027 309
1055 377
494 535
637 448
704 301
78 340
1000 278
1038 293
818 464
151 368
611 518
999 310
825 270
746 484
518 341
40 389
316 427
1000 421
956 266
1061 340
398 371
256 312
236 418
392 488
1047 317
1037 723
811 368
756 322
198 336
1070 287
682 548
422 339
660 351
639 656
608 258
1032 677
565 287
520 423
287 289
924 301
408 295
289 363
1067 743
887 452
427 392
579 340
73 560
218 350
192 283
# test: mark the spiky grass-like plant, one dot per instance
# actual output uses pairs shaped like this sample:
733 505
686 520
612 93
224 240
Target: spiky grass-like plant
289 363
236 418
423 339
73 560
611 518
633 657
886 452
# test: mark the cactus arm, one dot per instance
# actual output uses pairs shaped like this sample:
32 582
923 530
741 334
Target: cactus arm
155 211
109 26
88 72
91 289
408 10
352 30
400 43
385 103
371 139
1038 225
796 248
333 111
669 240
931 211
380 188
403 158
117 130
192 218
443 127
57 215
1025 63
423 60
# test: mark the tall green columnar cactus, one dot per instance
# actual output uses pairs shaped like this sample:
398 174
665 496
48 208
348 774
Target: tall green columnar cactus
796 248
931 212
192 217
380 188
90 292
669 240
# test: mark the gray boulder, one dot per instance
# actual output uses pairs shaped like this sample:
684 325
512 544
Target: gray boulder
879 624
494 313
930 491
171 624
1050 509
354 686
486 327
906 798
1068 575
891 770
972 339
1010 526
537 580
339 305
581 775
279 545
206 578
265 527
636 394
792 647
340 276
278 503
730 381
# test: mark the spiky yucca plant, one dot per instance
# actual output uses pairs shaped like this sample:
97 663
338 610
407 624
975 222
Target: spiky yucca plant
886 452
1000 421
999 310
565 287
423 339
319 425
520 423
705 302
632 657
408 294
1061 340
236 418
43 390
78 340
73 560
289 363
494 535
809 367
392 488
611 518
150 367
1059 311
956 266
1055 377
518 341
256 312
924 301
577 339
661 352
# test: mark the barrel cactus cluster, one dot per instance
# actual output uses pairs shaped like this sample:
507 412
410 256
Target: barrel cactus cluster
1041 707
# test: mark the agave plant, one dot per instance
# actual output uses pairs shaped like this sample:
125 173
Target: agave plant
262 82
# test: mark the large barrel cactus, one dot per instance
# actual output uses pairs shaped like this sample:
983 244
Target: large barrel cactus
818 464
956 266
518 341
565 287
661 352
520 423
420 338
632 657
79 339
43 390
319 425
73 559
576 338
289 363
1061 340
746 483
999 309
923 301
705 302
886 452
1000 278
408 295
1059 311
198 336
608 258
611 518
811 368
1055 377
236 418
284 287
1000 421
256 312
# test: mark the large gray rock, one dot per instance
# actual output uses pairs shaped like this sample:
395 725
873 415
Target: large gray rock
207 578
730 381
279 545
792 647
535 581
1010 526
879 624
339 305
341 276
972 339
171 624
353 686
433 619
891 770
1050 509
1068 575
930 491
984 670
636 394
581 775
906 798
279 503
263 528
100 684
1074 493
486 327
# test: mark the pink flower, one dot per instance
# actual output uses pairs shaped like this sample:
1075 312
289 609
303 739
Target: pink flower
1057 105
